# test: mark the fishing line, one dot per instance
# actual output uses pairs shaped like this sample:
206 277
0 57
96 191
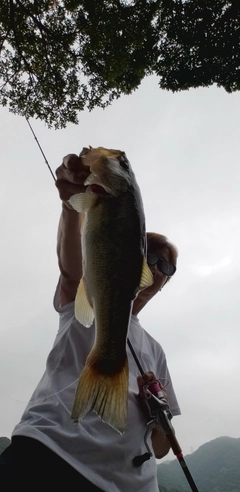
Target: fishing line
140 367
39 146
135 357
41 399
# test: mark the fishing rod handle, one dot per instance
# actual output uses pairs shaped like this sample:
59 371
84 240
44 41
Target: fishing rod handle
174 444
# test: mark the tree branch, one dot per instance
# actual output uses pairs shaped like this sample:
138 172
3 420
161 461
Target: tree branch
19 50
41 26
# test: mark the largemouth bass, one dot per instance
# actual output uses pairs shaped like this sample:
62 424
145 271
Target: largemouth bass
114 271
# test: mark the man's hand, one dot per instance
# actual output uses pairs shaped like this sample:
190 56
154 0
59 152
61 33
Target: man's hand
71 176
160 443
142 381
145 379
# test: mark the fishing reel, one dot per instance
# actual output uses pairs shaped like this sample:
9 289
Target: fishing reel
156 401
156 405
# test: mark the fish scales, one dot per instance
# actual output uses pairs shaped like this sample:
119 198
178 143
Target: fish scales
114 270
114 279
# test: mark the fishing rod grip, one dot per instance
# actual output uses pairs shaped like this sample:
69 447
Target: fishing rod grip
174 443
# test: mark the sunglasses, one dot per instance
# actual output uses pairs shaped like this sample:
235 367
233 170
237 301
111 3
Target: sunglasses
163 265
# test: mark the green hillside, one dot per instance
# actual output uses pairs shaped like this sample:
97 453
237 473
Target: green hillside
215 467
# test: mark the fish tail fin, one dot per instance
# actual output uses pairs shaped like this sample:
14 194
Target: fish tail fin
105 394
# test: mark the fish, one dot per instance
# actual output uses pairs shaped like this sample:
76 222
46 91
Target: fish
114 271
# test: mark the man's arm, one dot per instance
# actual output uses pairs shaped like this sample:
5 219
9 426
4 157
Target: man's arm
69 253
70 178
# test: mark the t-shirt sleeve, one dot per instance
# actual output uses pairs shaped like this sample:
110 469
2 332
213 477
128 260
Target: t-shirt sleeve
163 375
57 301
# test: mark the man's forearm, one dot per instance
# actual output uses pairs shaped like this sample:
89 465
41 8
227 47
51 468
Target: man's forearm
69 252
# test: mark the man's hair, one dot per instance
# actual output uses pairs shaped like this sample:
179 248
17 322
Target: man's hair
155 240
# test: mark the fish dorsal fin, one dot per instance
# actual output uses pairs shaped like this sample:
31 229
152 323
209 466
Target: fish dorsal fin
81 202
83 310
146 277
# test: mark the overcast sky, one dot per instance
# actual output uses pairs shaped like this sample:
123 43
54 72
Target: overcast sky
184 149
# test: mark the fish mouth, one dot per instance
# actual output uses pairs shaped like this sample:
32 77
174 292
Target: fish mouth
99 190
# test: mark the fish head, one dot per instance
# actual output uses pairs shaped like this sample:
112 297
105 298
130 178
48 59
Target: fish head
111 172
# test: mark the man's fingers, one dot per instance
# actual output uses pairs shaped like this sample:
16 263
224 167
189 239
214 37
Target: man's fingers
67 189
77 176
146 378
71 176
72 162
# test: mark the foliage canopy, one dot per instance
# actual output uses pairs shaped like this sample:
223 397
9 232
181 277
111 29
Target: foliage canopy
60 56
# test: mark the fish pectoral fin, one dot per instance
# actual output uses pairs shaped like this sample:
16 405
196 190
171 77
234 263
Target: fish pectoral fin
105 394
83 310
82 202
146 277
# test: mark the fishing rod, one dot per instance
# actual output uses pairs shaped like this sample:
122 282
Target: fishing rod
160 414
39 146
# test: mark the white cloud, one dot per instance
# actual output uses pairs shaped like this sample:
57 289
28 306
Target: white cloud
208 269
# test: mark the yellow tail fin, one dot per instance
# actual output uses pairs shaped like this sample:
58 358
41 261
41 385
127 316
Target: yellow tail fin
107 395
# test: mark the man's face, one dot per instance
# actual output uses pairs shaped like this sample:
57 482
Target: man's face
159 278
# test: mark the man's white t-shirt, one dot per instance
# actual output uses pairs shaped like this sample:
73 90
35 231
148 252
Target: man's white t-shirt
92 447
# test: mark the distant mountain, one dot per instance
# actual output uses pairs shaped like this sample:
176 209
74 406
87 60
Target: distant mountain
215 467
4 443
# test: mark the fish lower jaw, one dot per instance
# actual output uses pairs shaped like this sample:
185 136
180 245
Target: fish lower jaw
95 185
100 190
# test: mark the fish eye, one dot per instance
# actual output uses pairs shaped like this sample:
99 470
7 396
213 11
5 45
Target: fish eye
123 163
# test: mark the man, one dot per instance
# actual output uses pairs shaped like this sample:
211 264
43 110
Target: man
91 455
